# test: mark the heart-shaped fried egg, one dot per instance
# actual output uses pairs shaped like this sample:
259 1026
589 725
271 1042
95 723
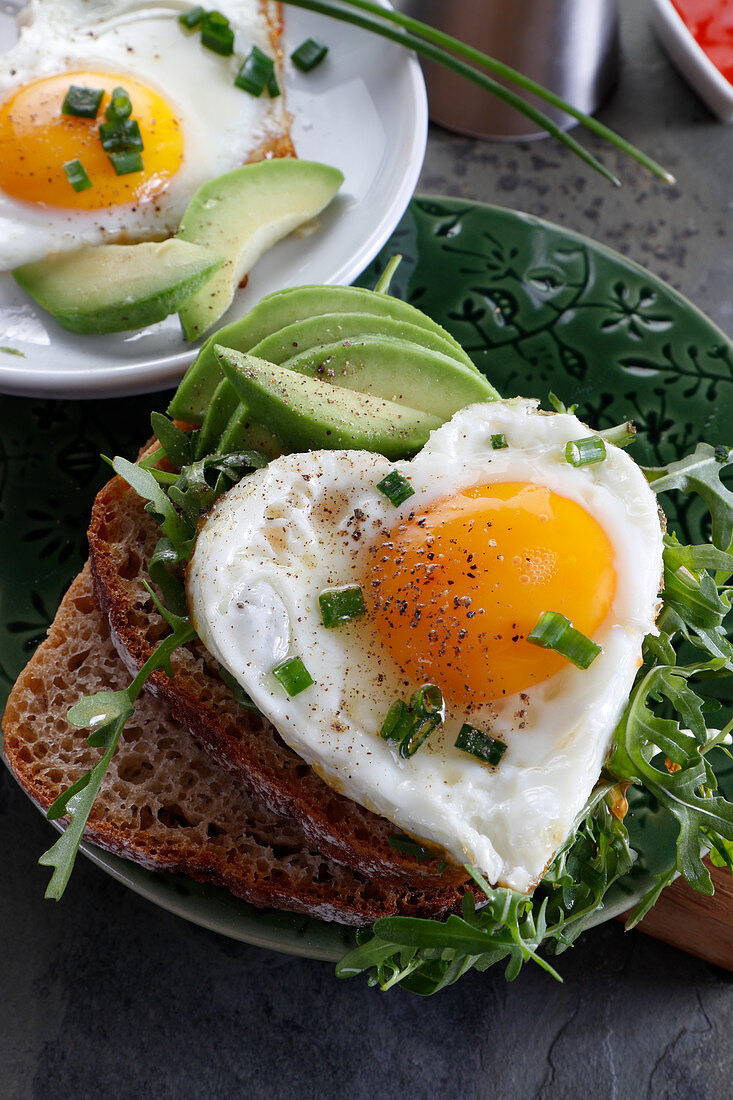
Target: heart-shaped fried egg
500 528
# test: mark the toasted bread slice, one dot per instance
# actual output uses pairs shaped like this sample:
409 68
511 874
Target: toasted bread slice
164 802
122 537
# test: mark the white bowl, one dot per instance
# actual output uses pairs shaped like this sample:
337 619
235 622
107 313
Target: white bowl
692 61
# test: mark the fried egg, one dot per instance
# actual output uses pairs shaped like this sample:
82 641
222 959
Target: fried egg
453 579
195 123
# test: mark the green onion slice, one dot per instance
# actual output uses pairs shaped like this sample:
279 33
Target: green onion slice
192 18
585 452
308 54
119 107
256 72
428 701
396 488
398 722
341 605
76 175
411 725
480 744
498 441
293 675
120 135
82 102
417 736
216 34
216 18
273 88
126 163
555 632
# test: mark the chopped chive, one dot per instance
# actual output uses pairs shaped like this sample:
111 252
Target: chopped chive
721 454
396 725
585 452
293 675
308 54
396 488
341 605
120 135
82 102
428 701
412 725
216 18
216 34
126 163
480 744
498 441
119 107
255 73
192 18
555 632
273 88
76 175
417 736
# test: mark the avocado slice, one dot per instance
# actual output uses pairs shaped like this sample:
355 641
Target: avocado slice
243 434
305 413
110 288
275 312
398 371
243 213
333 328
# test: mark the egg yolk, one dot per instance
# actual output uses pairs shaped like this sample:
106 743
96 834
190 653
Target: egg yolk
455 590
36 140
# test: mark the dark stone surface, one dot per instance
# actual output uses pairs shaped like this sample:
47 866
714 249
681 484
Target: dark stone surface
104 995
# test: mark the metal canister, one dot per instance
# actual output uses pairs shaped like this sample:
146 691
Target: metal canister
569 46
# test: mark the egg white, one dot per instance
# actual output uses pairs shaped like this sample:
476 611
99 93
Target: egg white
306 522
222 125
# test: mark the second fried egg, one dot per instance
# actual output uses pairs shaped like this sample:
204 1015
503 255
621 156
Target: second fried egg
194 122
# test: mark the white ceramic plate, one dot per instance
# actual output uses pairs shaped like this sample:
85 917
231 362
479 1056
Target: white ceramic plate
691 59
363 110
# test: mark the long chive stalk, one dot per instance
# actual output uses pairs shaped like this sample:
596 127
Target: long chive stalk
434 44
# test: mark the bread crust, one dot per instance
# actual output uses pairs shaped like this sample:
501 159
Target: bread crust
164 803
122 537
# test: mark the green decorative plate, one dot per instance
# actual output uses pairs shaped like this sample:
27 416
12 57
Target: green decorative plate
539 309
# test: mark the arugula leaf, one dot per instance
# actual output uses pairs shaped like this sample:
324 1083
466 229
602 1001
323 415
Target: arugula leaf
238 691
105 714
651 897
179 446
162 571
721 850
685 789
177 530
700 473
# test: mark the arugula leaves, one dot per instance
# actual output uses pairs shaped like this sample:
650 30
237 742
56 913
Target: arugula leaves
700 473
425 956
177 501
105 714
